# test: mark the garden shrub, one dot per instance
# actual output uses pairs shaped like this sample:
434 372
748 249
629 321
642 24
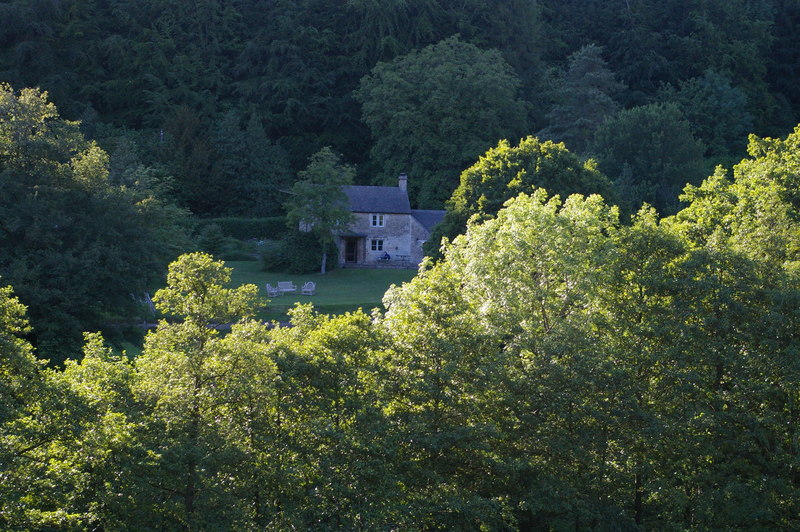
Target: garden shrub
249 228
297 253
211 239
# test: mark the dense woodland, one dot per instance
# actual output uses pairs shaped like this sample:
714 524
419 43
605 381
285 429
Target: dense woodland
232 97
605 340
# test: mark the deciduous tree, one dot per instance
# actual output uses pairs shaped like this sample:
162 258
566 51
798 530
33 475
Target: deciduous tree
505 171
433 111
651 150
196 384
318 203
73 244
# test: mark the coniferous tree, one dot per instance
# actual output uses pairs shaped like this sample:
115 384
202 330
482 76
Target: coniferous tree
585 100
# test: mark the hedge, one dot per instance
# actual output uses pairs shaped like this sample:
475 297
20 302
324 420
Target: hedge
273 228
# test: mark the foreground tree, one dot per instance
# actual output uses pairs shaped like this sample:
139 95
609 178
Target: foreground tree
22 386
197 384
557 369
53 449
330 453
604 342
754 210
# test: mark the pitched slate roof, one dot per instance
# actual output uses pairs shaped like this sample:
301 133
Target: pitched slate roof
390 200
428 219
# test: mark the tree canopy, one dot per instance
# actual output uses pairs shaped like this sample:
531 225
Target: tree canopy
505 171
572 360
433 111
556 368
74 244
173 71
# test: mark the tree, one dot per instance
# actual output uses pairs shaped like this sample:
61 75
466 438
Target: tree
18 367
653 146
318 202
188 156
46 452
585 99
505 171
755 211
718 113
330 451
433 111
73 244
651 44
250 167
441 380
196 385
509 318
742 230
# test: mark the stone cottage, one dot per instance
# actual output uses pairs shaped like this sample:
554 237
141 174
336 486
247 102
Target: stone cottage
386 231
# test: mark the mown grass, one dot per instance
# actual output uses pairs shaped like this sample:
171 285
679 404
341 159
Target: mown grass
338 291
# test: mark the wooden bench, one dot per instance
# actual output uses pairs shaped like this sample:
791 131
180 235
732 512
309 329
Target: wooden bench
286 287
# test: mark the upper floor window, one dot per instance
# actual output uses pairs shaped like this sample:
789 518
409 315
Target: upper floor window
377 220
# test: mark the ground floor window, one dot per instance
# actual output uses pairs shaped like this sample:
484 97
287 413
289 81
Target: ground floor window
376 244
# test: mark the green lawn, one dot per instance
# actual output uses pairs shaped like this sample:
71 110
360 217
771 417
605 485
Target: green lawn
338 291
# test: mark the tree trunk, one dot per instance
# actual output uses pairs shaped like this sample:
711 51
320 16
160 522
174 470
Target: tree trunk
324 260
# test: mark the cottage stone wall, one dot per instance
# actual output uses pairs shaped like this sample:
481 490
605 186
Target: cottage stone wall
395 233
401 235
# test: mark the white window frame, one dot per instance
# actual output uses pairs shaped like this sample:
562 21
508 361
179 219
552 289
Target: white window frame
377 220
376 244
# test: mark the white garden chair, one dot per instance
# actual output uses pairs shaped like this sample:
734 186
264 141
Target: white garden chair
309 288
272 291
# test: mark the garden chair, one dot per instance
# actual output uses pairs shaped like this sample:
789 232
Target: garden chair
309 288
272 291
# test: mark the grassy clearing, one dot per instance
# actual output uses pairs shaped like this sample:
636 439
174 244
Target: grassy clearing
338 291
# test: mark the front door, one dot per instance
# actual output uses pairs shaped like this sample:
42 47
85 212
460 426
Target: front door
351 251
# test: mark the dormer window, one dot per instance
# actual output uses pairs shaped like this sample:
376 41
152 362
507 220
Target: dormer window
377 220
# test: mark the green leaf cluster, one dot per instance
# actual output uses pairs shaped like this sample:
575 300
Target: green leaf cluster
433 111
73 243
506 171
556 369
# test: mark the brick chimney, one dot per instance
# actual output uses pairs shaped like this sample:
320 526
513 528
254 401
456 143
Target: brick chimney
402 182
